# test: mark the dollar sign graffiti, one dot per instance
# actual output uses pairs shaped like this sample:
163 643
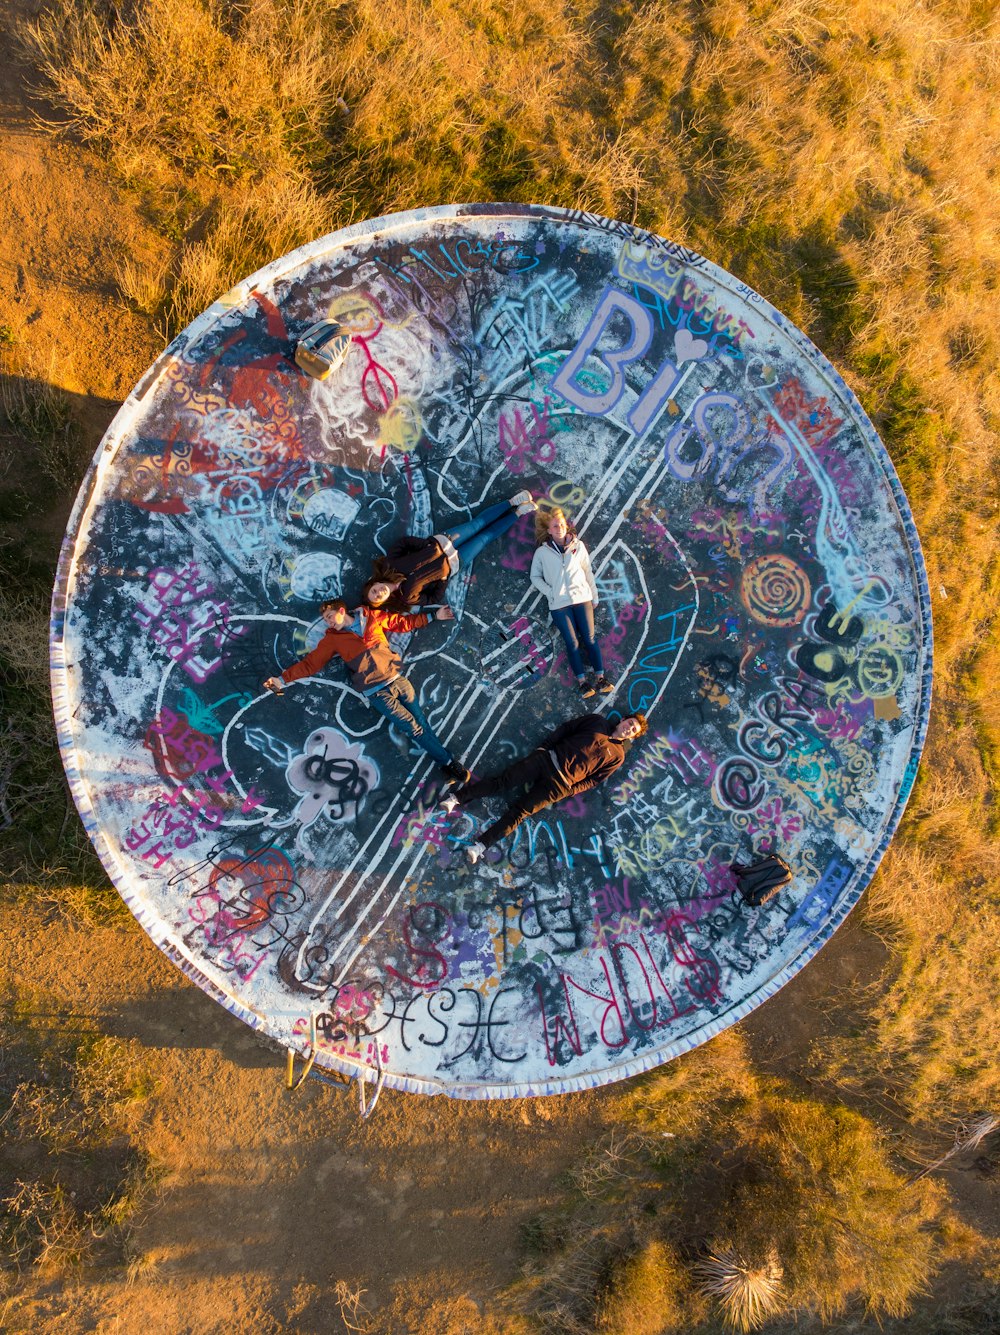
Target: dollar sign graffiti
702 979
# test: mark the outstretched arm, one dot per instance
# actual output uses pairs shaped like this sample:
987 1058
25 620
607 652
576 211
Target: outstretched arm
306 667
402 621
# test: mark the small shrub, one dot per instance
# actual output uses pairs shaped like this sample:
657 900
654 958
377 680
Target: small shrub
42 1227
645 1294
715 1182
353 1310
816 1182
748 1292
143 288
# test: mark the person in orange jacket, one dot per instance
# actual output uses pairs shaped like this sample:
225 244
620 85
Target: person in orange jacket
358 637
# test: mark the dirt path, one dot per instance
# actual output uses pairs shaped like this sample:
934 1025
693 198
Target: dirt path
269 1198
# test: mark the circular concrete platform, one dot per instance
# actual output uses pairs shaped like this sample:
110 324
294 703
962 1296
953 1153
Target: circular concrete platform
762 600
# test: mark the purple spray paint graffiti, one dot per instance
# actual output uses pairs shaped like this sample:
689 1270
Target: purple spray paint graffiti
761 598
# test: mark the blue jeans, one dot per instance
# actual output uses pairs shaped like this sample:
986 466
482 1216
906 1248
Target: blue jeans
478 532
576 625
398 703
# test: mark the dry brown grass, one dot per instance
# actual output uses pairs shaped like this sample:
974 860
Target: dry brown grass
34 407
216 113
237 237
711 1160
927 1039
239 91
644 1294
838 157
71 1100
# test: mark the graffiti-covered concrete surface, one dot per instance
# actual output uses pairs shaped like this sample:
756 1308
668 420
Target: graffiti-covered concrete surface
761 599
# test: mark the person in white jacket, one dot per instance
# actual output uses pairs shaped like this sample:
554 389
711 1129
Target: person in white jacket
560 569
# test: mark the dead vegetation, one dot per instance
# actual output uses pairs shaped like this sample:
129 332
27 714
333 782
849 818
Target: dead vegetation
840 159
732 1190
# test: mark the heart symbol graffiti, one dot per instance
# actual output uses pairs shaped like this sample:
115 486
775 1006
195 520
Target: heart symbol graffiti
687 348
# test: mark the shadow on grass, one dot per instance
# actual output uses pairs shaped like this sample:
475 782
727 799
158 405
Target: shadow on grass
47 439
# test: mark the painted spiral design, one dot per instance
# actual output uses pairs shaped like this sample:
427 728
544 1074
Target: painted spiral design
775 590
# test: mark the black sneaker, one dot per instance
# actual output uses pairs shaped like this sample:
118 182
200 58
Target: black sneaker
456 772
603 685
586 690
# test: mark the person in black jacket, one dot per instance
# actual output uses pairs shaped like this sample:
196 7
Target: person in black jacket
416 570
576 757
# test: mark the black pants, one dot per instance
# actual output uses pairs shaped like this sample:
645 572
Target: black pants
544 787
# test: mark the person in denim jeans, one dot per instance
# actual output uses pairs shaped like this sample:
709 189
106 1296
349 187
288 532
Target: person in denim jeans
359 638
417 570
560 569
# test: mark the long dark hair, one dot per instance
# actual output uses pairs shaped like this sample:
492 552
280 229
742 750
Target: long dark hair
383 572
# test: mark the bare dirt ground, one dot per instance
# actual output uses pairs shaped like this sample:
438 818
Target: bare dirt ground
268 1199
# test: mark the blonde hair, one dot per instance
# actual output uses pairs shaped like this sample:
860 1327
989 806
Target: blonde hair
543 517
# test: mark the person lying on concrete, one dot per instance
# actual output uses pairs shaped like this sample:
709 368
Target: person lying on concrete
376 670
417 570
575 758
560 569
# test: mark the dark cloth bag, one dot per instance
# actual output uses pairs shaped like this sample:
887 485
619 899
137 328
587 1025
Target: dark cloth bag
761 880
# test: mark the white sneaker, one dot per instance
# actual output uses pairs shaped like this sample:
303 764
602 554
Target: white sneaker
521 498
528 508
449 804
474 852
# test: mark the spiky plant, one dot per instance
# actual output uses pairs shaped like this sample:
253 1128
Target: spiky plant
748 1293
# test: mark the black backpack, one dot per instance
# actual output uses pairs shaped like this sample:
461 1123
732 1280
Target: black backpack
761 880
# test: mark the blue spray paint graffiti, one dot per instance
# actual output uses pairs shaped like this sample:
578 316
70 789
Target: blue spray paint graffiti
760 597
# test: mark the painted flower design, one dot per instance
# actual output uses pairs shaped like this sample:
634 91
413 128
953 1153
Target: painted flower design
332 774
